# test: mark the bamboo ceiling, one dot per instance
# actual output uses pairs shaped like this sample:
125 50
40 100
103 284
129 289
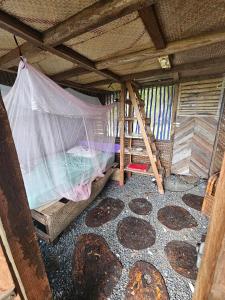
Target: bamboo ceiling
96 45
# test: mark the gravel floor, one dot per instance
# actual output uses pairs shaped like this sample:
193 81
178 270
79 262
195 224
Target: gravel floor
58 256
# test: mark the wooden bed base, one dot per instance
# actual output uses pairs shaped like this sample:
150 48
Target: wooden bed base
51 219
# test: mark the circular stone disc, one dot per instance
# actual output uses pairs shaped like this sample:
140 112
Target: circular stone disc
182 258
107 210
135 233
145 282
194 201
140 206
176 218
96 270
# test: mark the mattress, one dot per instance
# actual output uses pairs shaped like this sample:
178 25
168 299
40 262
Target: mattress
61 172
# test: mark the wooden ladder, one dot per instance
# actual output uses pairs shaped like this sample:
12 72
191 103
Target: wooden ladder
136 104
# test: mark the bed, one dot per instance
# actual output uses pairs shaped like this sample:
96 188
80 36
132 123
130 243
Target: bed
42 187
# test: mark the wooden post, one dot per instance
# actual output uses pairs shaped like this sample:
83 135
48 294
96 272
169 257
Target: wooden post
17 231
173 122
213 244
122 132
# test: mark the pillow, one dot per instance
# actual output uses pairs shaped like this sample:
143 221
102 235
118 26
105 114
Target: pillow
82 151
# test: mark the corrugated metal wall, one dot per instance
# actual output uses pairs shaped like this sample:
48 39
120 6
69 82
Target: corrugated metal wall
158 107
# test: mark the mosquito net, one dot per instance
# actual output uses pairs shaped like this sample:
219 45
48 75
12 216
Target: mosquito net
63 142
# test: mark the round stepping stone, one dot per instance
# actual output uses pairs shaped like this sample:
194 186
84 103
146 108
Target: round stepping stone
176 218
145 282
194 201
140 206
107 210
96 270
182 258
135 233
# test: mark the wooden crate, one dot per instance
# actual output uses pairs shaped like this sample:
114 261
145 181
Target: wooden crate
51 219
210 195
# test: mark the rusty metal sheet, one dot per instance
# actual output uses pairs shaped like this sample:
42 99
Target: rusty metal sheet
96 270
176 218
182 258
145 283
140 206
194 201
128 233
107 210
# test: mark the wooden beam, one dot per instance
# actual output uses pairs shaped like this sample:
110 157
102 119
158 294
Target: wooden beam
208 63
17 27
171 48
18 233
100 13
213 244
151 22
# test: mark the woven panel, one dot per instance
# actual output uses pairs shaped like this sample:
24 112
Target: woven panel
200 98
49 63
180 19
7 42
41 14
139 66
121 36
87 78
211 51
164 148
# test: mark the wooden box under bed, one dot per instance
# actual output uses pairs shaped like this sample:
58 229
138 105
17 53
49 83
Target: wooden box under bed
51 219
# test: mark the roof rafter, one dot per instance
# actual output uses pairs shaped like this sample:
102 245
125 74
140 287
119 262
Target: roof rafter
171 48
213 64
100 13
150 20
15 26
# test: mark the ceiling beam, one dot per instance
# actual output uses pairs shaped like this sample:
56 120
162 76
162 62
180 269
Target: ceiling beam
213 63
100 13
171 48
15 26
150 20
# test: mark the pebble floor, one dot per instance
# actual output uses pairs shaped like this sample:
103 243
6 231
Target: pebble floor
58 256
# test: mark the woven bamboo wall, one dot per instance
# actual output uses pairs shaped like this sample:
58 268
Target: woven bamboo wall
164 148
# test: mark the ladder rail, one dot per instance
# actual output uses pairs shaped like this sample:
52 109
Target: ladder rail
145 137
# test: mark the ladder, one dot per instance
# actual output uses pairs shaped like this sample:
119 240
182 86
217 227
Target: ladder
136 105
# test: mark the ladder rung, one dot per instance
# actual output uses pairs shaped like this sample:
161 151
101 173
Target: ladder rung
146 120
134 151
139 136
140 103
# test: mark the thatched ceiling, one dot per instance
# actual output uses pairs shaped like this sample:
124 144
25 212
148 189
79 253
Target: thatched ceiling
100 42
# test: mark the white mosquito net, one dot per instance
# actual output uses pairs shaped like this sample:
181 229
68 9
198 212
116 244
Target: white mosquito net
63 142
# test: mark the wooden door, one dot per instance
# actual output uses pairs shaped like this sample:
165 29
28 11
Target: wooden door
196 125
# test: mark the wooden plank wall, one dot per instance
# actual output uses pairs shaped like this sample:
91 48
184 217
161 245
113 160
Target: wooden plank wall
220 143
196 125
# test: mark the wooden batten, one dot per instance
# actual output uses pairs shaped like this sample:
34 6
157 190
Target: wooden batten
17 231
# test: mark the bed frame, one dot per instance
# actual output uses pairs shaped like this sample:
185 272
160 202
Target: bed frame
51 219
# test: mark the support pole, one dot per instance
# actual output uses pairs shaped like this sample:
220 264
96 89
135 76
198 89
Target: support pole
17 230
122 132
